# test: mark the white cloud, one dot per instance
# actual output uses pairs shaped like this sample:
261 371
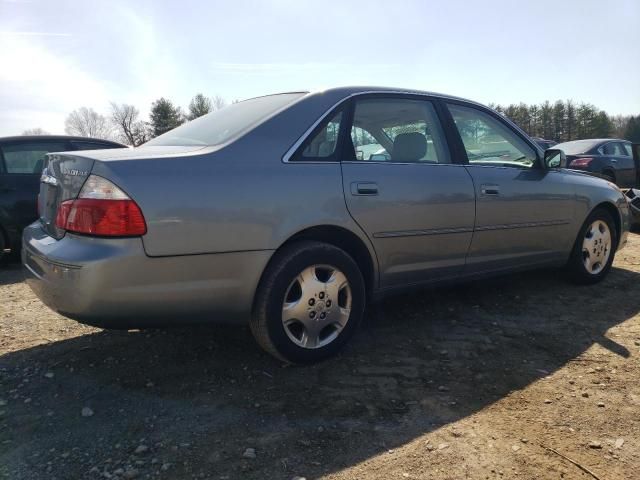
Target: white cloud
35 80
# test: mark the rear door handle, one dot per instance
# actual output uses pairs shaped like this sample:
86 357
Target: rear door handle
364 188
488 189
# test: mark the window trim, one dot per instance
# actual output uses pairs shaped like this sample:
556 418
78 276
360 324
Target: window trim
348 103
462 151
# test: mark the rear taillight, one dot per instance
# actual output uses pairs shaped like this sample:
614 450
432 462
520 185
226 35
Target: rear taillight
101 209
580 162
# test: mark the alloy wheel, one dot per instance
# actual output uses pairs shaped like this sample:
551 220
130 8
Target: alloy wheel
317 306
596 247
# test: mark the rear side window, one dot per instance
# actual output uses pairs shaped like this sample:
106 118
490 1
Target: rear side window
490 142
397 130
227 123
322 146
612 148
28 158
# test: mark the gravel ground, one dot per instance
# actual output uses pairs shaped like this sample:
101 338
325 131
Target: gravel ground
492 379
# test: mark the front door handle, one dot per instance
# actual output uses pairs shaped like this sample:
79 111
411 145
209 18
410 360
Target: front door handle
364 188
488 189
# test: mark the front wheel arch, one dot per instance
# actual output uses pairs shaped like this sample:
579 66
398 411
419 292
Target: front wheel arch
615 214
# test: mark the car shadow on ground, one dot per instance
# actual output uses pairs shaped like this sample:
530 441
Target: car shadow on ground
198 397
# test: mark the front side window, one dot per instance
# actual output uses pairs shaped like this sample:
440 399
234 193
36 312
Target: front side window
627 149
28 158
397 130
488 141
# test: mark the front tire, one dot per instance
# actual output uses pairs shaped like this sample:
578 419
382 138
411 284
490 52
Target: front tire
594 249
309 302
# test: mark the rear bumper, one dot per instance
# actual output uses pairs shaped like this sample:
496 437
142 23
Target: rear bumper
112 283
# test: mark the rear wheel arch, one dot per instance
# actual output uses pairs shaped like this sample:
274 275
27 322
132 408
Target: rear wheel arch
343 239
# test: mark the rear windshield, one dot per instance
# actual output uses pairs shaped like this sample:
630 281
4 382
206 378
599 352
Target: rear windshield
577 147
222 125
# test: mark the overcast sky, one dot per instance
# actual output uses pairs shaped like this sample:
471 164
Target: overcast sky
58 55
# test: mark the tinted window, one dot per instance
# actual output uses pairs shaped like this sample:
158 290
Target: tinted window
397 130
488 141
627 148
92 145
222 125
28 158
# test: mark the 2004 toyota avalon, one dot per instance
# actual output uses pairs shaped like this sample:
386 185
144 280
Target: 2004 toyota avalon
290 211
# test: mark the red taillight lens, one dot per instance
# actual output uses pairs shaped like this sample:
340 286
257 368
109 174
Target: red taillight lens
580 162
110 218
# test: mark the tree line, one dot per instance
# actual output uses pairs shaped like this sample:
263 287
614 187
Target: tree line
124 124
560 121
563 121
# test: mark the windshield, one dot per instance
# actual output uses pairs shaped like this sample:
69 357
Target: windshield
222 125
577 147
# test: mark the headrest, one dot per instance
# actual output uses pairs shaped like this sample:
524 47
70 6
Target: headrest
409 147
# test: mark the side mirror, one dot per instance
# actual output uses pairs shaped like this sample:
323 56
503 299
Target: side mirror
554 158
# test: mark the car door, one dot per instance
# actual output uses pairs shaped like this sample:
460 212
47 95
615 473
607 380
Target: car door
622 158
20 169
401 186
524 213
635 149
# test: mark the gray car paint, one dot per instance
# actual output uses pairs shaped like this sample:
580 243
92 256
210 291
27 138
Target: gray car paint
215 215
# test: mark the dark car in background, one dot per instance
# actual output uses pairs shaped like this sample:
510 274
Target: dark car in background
21 162
608 157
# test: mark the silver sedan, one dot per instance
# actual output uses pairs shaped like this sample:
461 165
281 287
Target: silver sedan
292 211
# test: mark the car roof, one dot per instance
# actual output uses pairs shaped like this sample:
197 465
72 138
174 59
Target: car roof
359 90
48 138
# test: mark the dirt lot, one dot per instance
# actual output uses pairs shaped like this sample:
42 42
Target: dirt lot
465 382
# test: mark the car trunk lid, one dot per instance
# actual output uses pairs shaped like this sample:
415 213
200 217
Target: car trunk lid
62 178
64 174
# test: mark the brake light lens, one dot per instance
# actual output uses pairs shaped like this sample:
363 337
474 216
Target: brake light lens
101 209
581 162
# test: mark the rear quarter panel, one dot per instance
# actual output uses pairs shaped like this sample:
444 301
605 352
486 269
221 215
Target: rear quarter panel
237 197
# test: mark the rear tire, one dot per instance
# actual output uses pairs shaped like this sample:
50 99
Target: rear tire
610 176
594 249
309 302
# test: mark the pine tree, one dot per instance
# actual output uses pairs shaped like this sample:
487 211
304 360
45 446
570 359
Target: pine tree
632 132
165 116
